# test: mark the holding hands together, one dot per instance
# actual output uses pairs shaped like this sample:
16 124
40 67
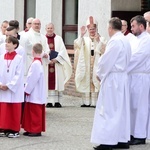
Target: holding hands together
53 61
45 56
3 87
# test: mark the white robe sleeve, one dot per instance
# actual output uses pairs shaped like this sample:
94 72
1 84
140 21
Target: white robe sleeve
32 78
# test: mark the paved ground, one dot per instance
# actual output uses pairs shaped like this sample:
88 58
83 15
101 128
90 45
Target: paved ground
68 128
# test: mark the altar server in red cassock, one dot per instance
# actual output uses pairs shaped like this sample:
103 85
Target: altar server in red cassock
34 112
11 89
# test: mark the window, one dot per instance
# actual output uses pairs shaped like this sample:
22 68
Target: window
29 9
145 5
70 21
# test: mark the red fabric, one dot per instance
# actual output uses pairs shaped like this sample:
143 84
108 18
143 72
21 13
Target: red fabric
127 32
34 118
10 56
51 78
51 75
10 116
26 30
36 58
50 41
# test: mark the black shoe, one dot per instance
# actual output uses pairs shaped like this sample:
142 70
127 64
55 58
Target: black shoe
92 106
26 133
49 105
4 133
137 141
131 137
85 105
121 145
103 147
57 105
32 134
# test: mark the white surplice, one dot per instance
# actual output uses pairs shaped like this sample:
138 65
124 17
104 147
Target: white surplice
139 71
112 115
35 84
19 50
13 79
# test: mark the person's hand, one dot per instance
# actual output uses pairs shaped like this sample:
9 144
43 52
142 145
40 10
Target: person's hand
45 56
54 61
51 62
4 87
0 87
97 37
83 31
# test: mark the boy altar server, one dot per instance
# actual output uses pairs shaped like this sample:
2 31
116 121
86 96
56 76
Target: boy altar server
11 89
34 112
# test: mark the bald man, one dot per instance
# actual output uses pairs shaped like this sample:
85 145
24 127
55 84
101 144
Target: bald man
59 65
147 18
28 25
32 37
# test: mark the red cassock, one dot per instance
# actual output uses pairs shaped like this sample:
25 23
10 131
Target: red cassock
127 32
10 115
51 68
34 117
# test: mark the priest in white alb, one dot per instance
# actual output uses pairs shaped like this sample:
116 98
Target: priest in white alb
59 69
32 37
111 126
139 73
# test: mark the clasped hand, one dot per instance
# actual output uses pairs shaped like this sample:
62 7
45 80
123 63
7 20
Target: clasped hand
3 87
53 61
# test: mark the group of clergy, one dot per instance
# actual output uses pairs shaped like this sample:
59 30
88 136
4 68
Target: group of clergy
112 76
